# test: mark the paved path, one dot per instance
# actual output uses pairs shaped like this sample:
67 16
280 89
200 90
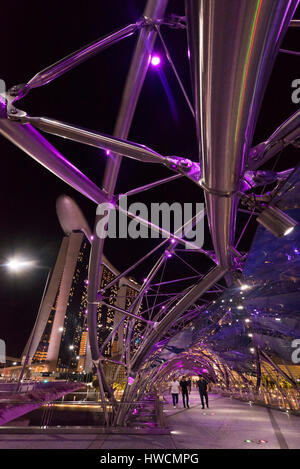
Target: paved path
226 424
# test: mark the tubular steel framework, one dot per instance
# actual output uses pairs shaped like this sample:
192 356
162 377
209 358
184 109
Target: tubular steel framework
233 45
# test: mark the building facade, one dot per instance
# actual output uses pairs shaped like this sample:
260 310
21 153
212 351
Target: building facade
59 342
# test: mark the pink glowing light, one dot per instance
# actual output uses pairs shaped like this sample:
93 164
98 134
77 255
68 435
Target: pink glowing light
155 60
130 380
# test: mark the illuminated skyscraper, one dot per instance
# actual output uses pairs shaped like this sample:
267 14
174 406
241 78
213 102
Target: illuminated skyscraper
60 341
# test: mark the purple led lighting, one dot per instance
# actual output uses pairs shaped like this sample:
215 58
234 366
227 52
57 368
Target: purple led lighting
130 380
155 60
107 152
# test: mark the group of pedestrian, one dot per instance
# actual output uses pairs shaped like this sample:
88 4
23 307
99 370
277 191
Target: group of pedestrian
184 387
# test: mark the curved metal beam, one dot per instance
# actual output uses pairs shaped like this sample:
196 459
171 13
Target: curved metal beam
233 45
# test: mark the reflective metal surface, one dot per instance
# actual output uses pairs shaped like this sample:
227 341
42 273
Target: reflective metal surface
233 45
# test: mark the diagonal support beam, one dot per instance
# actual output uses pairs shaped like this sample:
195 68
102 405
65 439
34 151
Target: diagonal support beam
35 145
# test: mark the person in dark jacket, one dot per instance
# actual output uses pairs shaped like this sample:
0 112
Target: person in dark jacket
202 387
185 389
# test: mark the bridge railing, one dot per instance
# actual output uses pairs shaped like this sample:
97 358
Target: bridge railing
282 399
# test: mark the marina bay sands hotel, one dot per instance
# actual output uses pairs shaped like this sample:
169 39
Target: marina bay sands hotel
59 339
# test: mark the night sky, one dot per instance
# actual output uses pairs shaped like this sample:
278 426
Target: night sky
36 34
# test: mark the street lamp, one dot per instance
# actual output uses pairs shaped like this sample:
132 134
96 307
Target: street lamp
71 348
17 265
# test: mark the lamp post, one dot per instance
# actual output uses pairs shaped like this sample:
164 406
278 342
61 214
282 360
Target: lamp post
71 348
16 265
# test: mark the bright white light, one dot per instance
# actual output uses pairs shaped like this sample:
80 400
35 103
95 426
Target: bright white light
247 320
288 231
17 264
245 287
60 329
71 347
240 307
155 60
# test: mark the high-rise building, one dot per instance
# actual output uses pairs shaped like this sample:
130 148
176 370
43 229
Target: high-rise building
59 341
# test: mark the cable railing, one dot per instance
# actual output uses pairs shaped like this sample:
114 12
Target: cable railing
281 399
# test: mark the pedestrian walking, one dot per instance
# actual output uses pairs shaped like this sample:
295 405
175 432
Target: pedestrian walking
185 388
202 388
174 390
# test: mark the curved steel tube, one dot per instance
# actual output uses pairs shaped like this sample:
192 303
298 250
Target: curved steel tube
155 9
233 45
